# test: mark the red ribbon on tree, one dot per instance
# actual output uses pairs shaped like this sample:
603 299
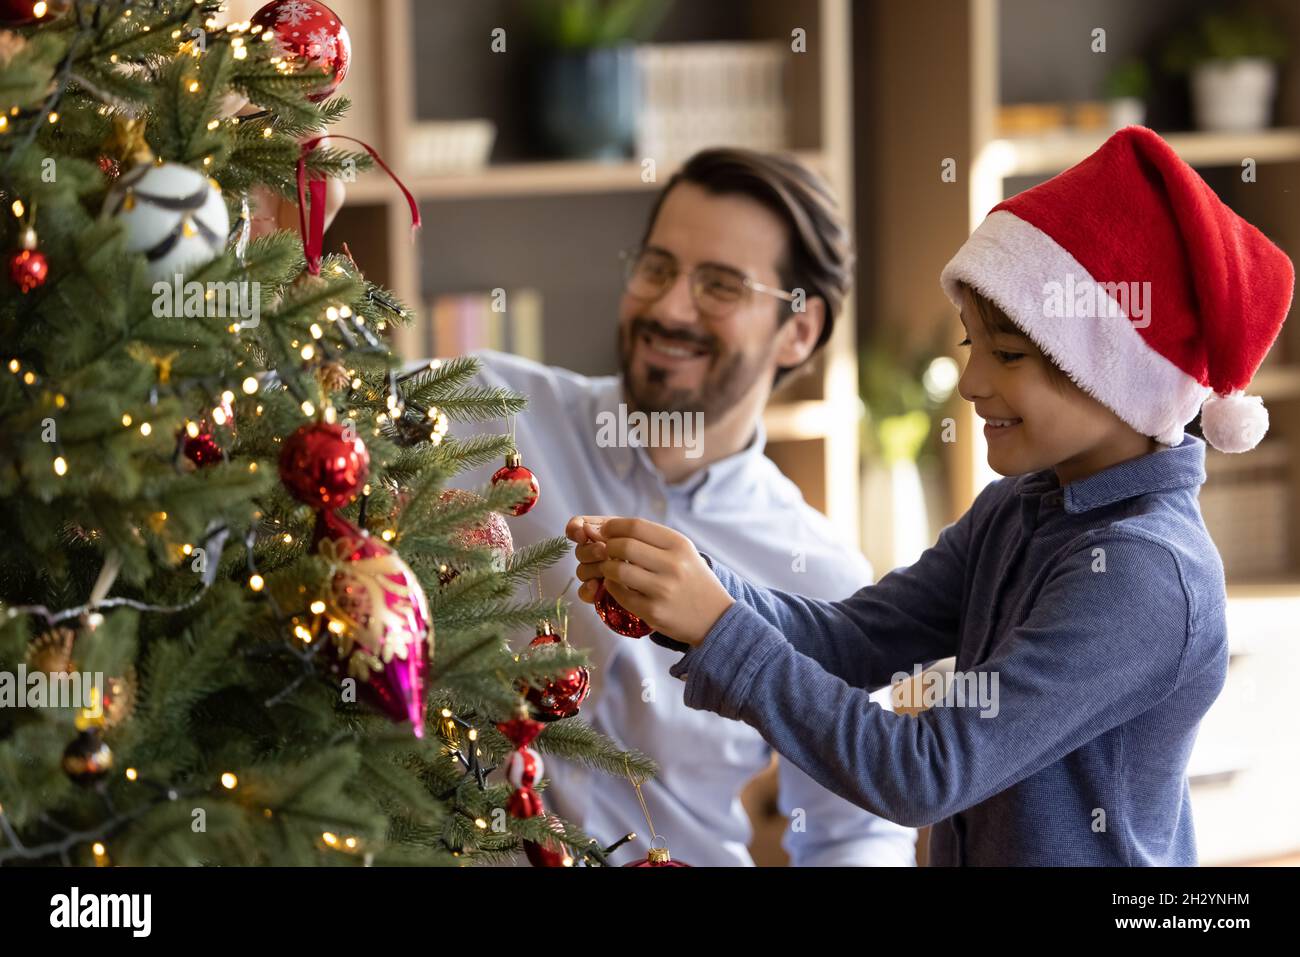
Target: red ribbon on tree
313 231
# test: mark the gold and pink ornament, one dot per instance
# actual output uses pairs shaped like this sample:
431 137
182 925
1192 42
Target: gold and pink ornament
377 619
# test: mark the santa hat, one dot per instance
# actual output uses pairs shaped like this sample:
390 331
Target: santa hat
1131 275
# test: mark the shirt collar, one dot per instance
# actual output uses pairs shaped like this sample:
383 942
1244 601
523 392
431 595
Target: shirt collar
1175 466
726 473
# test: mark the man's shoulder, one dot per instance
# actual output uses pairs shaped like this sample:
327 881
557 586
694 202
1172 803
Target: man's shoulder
818 548
534 378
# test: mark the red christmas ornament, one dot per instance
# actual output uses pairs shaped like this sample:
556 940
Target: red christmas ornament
658 857
523 769
560 696
378 620
324 466
307 32
17 13
514 471
616 617
201 448
491 533
28 267
110 167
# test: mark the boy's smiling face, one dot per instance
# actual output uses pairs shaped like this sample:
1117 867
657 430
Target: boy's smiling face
1034 416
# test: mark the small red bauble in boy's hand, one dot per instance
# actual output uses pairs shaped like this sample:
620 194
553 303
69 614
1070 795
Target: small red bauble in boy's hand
651 570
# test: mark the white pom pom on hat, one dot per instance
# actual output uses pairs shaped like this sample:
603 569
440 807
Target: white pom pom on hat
1234 422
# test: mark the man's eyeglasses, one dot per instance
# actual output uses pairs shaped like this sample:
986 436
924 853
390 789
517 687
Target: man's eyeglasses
717 290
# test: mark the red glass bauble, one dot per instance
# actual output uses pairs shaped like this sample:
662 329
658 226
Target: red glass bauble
560 696
548 854
324 466
378 620
110 167
28 268
521 729
514 471
202 449
524 768
523 803
310 33
490 532
616 617
658 857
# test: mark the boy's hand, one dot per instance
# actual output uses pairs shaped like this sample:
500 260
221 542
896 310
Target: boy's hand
652 571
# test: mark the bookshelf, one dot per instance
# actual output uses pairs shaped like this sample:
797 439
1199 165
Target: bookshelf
496 227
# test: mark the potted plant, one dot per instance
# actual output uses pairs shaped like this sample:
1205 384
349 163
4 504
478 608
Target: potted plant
1126 92
587 90
904 380
1233 58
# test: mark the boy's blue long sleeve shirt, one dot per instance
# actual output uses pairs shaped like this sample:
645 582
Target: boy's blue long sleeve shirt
1099 607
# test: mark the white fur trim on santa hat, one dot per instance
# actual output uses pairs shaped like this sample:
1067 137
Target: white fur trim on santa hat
1234 422
1011 262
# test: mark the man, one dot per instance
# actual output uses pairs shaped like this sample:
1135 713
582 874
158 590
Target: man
737 283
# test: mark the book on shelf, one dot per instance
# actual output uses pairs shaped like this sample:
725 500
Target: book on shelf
503 320
697 95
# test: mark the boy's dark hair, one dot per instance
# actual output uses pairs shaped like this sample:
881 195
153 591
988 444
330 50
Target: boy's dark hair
819 247
994 319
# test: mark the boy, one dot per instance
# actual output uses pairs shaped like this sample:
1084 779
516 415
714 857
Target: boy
1085 587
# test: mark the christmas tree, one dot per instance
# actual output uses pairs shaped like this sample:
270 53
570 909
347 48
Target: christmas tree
224 496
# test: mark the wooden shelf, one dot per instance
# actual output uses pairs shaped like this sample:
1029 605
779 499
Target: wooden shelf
549 178
1050 153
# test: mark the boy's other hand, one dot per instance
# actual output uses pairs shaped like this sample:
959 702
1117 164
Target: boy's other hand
654 572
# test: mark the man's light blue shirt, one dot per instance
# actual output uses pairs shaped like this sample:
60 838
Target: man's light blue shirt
740 509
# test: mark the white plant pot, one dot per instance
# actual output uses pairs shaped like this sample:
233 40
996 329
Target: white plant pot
1234 95
895 521
1126 111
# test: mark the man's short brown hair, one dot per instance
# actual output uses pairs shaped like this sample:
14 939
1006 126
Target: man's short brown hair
819 246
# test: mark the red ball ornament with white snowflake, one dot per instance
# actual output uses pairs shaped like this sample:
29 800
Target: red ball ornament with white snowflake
310 34
514 471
